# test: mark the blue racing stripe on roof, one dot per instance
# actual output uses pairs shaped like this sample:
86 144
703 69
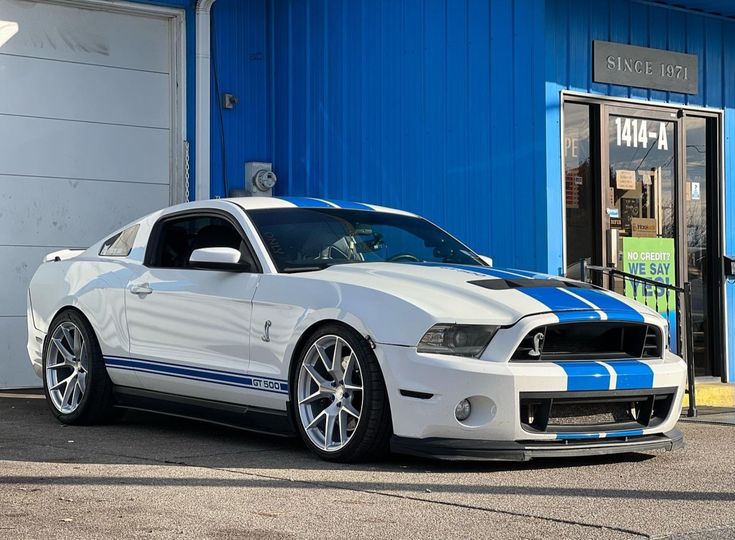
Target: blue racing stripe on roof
307 202
585 376
607 302
632 374
555 299
349 205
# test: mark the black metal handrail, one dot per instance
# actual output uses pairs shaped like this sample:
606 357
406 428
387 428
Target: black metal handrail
682 323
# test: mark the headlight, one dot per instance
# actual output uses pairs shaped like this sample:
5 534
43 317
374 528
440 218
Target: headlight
457 339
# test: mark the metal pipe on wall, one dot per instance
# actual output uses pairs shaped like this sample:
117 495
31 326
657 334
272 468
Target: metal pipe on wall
203 74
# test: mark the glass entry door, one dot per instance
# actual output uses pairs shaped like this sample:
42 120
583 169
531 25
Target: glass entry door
640 204
639 184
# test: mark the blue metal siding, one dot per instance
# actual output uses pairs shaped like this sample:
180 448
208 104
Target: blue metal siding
571 25
240 67
430 105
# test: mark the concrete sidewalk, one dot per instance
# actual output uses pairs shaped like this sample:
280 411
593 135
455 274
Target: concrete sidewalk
156 477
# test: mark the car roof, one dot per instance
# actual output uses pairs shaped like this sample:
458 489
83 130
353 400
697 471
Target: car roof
263 203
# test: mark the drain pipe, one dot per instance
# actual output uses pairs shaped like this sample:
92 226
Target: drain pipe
203 98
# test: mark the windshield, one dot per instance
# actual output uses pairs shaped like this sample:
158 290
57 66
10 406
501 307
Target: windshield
303 239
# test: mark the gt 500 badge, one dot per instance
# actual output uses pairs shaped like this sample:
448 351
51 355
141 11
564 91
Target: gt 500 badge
267 384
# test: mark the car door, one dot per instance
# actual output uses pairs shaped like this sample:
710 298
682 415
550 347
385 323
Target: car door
190 328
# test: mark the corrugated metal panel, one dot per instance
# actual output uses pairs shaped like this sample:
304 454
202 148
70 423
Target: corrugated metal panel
239 67
726 8
435 106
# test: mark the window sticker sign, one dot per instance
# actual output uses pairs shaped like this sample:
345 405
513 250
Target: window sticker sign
652 258
625 179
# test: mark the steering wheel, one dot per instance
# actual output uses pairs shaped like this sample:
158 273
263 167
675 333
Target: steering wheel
404 256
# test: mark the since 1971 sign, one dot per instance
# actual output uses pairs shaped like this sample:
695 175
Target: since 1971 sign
643 67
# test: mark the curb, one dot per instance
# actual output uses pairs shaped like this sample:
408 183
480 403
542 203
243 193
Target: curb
712 395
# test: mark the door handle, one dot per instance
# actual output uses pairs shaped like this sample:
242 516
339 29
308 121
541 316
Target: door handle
142 288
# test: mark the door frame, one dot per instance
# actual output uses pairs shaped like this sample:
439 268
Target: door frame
599 149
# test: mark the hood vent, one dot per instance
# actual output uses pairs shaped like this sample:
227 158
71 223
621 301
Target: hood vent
501 284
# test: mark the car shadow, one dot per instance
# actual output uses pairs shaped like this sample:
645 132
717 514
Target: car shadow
161 438
28 432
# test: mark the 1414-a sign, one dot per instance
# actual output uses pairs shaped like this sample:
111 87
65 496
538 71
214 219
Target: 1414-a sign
637 132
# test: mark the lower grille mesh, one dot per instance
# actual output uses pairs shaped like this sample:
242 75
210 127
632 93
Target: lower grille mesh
594 411
573 414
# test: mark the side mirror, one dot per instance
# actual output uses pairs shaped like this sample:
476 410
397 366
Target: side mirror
218 258
486 260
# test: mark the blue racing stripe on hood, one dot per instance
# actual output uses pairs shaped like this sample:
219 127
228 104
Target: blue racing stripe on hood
585 376
606 302
306 202
631 374
577 316
556 299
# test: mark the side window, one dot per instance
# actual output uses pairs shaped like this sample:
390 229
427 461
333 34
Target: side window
121 244
179 237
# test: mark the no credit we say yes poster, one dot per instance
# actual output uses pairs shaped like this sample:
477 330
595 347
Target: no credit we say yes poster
652 258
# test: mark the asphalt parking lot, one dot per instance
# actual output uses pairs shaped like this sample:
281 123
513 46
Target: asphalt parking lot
153 476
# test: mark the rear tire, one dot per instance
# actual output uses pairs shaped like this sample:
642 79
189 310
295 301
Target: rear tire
338 396
75 381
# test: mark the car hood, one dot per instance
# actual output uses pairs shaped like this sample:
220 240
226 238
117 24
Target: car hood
472 294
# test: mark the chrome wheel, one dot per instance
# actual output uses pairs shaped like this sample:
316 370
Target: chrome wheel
67 365
330 393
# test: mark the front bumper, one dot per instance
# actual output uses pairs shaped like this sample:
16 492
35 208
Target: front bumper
477 450
424 390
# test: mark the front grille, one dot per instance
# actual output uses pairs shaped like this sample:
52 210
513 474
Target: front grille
558 412
590 340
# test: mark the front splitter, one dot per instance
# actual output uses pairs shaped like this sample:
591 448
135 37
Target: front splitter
478 450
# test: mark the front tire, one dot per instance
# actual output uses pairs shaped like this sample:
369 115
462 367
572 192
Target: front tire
338 395
77 387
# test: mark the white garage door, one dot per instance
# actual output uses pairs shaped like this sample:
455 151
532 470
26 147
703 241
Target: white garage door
89 138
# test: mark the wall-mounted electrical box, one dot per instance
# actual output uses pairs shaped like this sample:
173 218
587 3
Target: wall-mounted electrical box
259 179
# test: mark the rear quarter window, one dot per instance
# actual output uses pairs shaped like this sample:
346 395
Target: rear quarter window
120 244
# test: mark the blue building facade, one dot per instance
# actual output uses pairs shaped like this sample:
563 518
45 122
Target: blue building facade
468 112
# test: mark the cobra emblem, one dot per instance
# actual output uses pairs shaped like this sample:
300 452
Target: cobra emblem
538 343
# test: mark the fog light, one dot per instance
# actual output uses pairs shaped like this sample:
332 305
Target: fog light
462 410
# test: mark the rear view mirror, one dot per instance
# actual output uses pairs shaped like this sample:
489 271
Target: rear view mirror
218 258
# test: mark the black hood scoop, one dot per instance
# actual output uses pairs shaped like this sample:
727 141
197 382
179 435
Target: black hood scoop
501 284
